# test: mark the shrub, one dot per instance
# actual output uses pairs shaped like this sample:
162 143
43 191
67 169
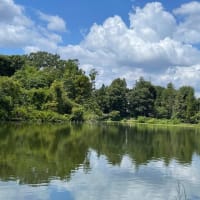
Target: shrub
142 119
77 114
114 115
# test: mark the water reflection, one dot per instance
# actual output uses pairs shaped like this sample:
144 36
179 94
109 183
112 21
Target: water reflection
98 162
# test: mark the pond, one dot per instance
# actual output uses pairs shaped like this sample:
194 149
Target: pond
98 161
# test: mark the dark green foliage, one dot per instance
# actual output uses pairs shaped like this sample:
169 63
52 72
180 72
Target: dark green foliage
185 104
64 105
49 87
10 64
77 114
30 77
141 99
43 60
38 97
93 73
114 115
10 94
41 86
165 99
117 96
102 99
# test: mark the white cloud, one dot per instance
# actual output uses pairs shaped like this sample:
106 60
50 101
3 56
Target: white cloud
188 29
182 75
19 31
149 47
55 23
190 8
152 23
8 10
157 44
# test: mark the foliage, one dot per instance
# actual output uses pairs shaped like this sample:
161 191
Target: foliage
77 114
141 99
10 94
10 64
185 104
117 96
29 113
114 115
43 86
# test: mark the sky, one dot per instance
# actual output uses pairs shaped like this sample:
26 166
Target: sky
158 40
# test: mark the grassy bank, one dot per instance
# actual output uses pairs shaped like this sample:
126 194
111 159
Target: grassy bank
154 121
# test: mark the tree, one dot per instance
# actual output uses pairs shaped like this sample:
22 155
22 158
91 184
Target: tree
63 104
93 73
102 99
10 64
168 99
76 83
43 59
10 96
165 98
31 77
117 96
185 104
141 99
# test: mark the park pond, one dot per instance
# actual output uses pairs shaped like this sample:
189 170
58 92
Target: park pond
98 161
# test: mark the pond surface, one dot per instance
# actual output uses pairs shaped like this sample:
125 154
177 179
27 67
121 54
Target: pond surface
98 162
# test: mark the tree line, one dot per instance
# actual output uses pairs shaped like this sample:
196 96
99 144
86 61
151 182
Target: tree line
41 86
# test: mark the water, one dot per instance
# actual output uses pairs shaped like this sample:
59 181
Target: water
95 162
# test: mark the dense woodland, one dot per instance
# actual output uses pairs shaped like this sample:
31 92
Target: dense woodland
43 87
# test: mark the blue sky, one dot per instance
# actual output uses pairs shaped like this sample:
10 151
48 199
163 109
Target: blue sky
80 15
120 38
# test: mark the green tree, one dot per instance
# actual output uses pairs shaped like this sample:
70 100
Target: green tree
141 99
102 99
10 64
117 96
164 104
168 99
93 73
185 104
43 59
59 96
10 96
30 77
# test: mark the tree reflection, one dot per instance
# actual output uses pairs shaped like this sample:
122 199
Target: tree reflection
35 154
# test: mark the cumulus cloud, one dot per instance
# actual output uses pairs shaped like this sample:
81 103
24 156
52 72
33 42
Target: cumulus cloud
19 31
152 23
151 45
188 30
190 8
157 44
14 10
55 23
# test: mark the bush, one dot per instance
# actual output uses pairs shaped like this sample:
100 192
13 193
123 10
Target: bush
77 114
91 116
21 113
114 115
142 119
30 114
175 121
3 114
153 121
